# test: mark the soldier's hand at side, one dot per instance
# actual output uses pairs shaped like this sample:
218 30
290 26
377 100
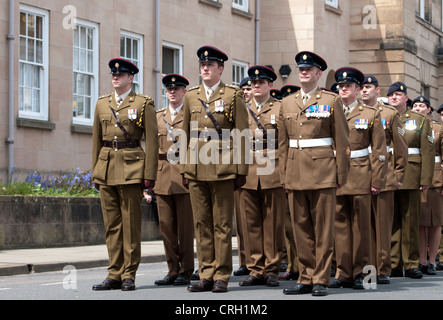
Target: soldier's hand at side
239 182
424 188
149 184
375 191
185 182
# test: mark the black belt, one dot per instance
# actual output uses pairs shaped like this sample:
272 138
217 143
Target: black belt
164 156
122 144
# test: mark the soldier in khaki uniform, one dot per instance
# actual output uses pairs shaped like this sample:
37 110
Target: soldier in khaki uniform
214 116
173 201
383 203
311 126
418 177
245 85
262 198
431 214
352 234
121 169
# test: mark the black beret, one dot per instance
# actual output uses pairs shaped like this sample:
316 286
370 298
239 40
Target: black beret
306 59
261 73
397 86
334 88
440 109
119 65
289 89
421 99
246 82
369 79
275 93
173 80
349 75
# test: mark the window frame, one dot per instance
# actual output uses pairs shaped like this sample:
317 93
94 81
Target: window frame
239 64
43 114
179 67
332 3
140 61
94 74
243 7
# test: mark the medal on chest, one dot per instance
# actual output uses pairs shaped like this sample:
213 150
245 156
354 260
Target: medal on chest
132 114
219 106
411 124
318 111
361 124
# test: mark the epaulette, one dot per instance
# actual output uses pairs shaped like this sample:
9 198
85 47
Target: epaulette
161 110
105 96
232 86
193 88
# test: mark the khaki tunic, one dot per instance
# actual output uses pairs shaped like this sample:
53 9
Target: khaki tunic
432 202
173 200
407 200
383 203
120 174
263 199
353 212
211 170
311 175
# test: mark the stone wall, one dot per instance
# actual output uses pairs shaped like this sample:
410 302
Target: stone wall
33 222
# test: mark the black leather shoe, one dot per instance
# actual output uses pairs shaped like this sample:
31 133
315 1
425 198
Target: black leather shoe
251 281
288 276
108 284
383 279
181 280
439 265
358 282
340 284
201 286
431 270
128 285
220 286
166 281
299 289
242 271
195 275
283 267
272 281
319 290
413 273
396 273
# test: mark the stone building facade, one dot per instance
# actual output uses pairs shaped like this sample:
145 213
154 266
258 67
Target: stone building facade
60 51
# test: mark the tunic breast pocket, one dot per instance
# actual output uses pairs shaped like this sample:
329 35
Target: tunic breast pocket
162 139
105 120
291 120
134 164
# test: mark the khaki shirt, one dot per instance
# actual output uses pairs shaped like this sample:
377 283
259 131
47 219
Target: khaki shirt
169 180
214 160
313 168
420 169
366 131
130 165
264 151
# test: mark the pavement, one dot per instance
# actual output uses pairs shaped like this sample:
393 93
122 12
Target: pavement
25 261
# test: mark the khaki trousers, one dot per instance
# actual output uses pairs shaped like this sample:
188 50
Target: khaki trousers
242 249
177 230
213 208
291 248
312 214
405 241
263 218
382 219
352 235
122 215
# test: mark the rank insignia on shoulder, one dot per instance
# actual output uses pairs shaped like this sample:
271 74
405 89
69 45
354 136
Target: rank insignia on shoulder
401 131
431 139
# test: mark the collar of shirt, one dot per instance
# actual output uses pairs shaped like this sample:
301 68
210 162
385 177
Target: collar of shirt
123 96
309 94
171 109
352 105
260 105
213 87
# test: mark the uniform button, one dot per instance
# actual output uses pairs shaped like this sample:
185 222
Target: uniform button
206 117
117 113
116 125
301 124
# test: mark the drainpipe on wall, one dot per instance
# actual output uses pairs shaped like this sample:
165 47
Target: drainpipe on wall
10 139
257 31
157 69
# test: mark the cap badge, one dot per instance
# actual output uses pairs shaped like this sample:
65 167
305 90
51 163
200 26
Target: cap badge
289 89
370 80
206 53
173 79
421 99
305 57
402 88
117 65
345 74
257 72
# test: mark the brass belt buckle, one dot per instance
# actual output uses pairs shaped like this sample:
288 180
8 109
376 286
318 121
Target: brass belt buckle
115 145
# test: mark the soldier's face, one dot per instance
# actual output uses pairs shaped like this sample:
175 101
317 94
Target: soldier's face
309 75
261 88
420 108
248 93
122 81
175 95
211 72
348 90
369 92
441 116
398 99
